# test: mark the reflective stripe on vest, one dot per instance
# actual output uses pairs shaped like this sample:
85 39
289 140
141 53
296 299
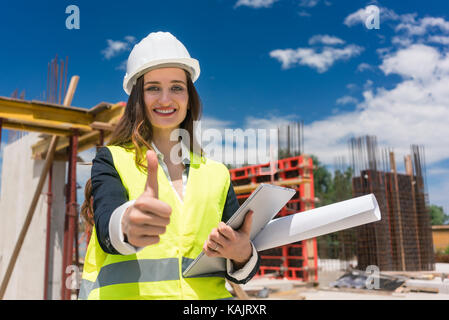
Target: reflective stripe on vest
155 272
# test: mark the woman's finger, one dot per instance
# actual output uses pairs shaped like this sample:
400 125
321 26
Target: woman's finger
212 245
153 206
226 231
140 218
147 230
218 238
211 248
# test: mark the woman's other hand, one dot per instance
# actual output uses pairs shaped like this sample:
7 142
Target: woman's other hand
148 217
232 244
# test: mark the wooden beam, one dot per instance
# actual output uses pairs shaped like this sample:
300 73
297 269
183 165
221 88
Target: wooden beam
97 125
111 114
238 290
398 207
22 126
42 112
409 172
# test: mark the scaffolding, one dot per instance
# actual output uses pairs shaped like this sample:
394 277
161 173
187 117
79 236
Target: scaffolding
65 131
402 239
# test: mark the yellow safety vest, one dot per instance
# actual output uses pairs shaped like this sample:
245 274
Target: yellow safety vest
155 272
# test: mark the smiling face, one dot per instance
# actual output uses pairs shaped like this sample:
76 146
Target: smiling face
166 97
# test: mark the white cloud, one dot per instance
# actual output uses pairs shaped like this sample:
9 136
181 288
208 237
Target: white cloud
116 47
400 116
437 171
419 62
325 39
308 3
355 18
347 100
351 86
319 60
255 3
130 39
422 26
439 39
401 41
303 13
364 66
414 111
122 65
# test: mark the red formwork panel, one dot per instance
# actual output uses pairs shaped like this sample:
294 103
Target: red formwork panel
289 261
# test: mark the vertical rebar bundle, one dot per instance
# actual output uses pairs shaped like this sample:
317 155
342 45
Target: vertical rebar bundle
291 140
402 239
56 80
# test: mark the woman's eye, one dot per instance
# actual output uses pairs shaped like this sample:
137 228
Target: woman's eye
177 88
152 88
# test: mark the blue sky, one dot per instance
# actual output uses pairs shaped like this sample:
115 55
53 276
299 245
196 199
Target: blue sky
263 62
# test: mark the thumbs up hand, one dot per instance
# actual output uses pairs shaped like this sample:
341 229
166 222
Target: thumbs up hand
148 217
232 244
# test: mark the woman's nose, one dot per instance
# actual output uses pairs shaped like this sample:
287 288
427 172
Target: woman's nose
165 97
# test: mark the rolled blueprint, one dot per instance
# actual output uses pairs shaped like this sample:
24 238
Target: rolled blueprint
316 222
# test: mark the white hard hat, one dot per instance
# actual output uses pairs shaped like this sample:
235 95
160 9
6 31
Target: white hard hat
158 49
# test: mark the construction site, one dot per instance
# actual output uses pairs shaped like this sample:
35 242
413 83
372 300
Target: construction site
43 237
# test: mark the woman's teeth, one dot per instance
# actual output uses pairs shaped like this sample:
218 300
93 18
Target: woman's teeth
165 111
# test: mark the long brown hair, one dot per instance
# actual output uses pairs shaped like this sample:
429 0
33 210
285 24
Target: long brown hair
86 208
134 130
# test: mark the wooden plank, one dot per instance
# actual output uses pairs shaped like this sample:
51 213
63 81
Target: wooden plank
97 125
40 112
409 172
239 292
398 205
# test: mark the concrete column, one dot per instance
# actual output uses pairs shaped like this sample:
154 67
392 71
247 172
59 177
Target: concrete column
19 178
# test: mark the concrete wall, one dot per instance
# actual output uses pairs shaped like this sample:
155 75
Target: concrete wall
20 175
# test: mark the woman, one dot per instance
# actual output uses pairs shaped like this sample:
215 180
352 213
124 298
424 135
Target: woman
155 209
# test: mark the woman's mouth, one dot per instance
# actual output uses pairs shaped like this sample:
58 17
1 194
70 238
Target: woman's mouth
164 111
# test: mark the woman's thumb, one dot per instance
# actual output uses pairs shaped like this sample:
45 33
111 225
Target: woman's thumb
151 185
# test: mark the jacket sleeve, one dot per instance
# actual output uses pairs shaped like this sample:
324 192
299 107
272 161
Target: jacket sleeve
108 194
231 206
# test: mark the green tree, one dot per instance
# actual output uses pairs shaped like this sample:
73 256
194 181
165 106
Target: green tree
330 189
322 182
342 185
437 215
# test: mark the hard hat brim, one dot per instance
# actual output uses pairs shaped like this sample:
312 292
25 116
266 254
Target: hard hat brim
189 64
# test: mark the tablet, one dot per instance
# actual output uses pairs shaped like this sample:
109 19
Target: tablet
266 201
